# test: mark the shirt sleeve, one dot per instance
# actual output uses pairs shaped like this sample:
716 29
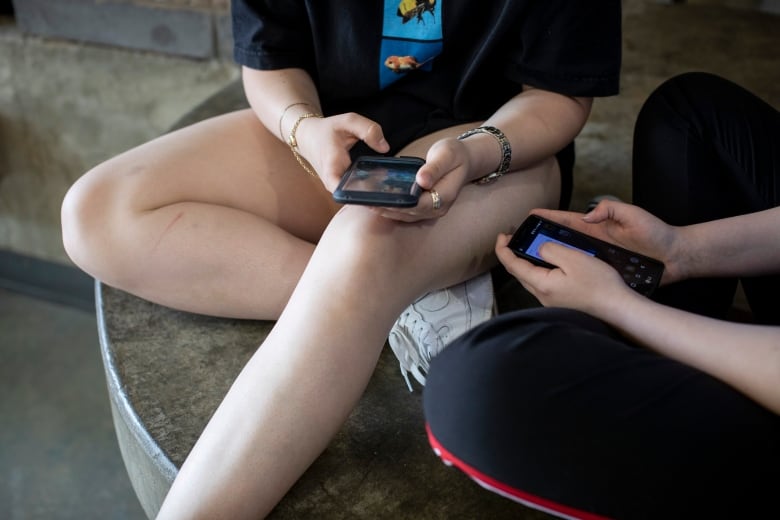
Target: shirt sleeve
271 34
573 48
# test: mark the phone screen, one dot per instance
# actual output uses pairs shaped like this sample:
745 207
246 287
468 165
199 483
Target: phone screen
640 272
540 238
382 177
380 181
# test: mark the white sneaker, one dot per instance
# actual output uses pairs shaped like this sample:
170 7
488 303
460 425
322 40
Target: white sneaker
435 319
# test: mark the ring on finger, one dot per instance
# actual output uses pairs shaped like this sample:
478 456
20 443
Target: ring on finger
436 199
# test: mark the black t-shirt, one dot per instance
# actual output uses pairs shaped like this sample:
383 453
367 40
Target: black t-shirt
461 59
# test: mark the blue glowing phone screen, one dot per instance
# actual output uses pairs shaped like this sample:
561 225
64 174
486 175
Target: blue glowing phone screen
540 238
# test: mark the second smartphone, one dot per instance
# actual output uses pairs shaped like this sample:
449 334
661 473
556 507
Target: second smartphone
640 272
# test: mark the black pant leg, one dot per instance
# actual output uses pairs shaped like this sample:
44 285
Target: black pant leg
551 408
705 149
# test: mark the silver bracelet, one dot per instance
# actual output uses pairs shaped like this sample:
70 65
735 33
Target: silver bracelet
506 152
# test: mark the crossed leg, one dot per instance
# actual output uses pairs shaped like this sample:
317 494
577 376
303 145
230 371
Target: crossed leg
216 218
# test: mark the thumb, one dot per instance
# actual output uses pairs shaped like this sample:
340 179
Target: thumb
375 138
560 255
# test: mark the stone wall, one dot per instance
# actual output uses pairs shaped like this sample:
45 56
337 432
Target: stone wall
67 105
193 28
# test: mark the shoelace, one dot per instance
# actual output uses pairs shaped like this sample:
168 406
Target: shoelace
414 356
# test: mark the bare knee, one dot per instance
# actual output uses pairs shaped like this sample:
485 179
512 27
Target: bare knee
375 251
87 220
363 236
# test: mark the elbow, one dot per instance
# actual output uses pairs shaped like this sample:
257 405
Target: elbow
583 106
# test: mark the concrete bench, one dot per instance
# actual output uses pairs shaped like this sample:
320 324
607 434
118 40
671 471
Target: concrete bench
167 371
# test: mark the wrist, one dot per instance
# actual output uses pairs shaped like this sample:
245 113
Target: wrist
679 263
481 151
494 153
613 308
290 115
292 142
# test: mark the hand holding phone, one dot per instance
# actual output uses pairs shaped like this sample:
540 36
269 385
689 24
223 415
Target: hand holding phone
380 181
641 273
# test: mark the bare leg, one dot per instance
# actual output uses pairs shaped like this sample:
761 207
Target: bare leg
216 218
299 387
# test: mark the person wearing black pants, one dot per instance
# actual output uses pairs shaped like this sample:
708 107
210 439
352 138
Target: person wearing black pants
606 404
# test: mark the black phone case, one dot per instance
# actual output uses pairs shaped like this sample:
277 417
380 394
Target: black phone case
380 181
640 272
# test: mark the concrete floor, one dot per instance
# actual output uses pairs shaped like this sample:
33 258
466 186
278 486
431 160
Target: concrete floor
59 457
58 453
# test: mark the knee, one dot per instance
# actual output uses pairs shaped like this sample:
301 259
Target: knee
85 222
362 240
74 220
687 95
508 374
700 83
485 375
479 400
694 79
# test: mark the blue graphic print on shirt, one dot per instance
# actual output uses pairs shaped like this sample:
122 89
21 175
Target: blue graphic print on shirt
411 38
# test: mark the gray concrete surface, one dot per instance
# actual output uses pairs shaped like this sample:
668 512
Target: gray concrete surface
59 458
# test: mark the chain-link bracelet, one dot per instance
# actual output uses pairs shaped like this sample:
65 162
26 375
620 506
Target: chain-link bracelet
506 152
293 142
284 112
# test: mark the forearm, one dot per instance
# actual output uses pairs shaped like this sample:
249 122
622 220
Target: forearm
746 357
744 245
272 92
537 124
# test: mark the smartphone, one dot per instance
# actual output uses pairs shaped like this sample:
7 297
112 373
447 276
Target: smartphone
380 181
640 272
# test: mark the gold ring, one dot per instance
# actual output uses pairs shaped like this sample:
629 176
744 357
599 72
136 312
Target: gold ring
436 199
